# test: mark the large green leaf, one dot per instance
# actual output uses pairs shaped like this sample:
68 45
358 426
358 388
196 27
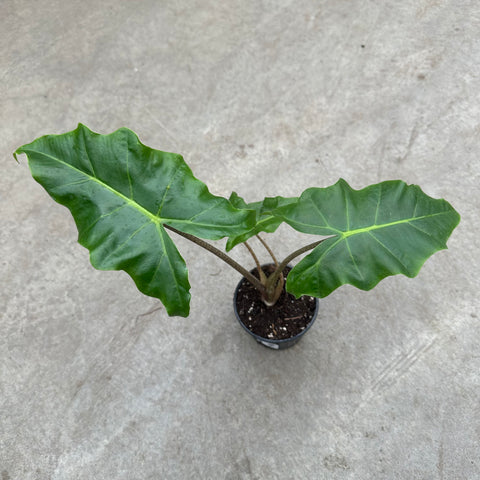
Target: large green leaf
382 230
265 220
121 194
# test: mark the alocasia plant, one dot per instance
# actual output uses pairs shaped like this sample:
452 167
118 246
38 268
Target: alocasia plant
125 198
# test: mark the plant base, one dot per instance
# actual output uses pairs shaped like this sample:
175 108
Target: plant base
279 326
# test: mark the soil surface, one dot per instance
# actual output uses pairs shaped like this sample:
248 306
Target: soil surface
287 318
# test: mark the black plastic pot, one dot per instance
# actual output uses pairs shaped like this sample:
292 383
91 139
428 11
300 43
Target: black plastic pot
268 342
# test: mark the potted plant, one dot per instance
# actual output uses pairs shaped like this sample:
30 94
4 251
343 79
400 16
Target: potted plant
127 199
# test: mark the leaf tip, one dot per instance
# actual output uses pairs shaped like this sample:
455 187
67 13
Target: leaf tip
179 313
230 244
458 218
19 151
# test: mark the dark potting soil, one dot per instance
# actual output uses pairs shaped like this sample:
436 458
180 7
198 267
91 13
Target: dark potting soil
287 318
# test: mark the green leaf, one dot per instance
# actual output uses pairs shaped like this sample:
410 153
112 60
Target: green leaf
384 229
266 221
121 193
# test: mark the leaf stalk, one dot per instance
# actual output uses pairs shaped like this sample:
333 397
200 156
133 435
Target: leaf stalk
223 256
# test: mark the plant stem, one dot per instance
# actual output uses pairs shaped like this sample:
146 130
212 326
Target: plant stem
298 252
223 256
261 274
264 243
273 278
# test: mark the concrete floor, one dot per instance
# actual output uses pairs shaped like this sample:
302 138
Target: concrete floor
265 98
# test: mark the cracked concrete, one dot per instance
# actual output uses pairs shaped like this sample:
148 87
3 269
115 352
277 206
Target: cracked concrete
264 98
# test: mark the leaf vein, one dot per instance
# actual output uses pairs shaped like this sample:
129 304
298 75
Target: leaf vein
104 216
323 254
428 234
378 203
347 214
170 266
205 211
122 245
391 224
88 155
132 203
353 259
128 172
321 214
167 189
389 251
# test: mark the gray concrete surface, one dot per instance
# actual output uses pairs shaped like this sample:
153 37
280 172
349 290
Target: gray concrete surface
265 98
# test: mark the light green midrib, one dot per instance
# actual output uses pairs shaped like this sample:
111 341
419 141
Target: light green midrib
390 224
133 204
265 221
349 233
258 227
